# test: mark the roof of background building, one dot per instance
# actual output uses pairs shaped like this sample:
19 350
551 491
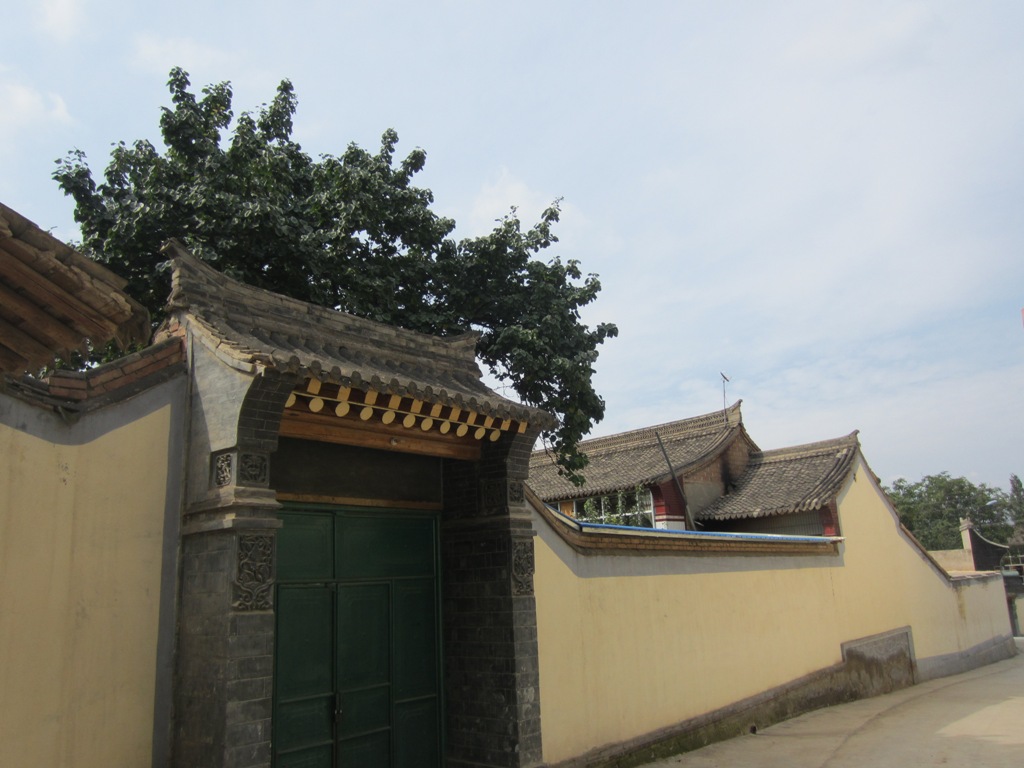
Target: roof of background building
788 480
54 300
625 460
260 329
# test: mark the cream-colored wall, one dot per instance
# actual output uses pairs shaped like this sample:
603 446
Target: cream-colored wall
629 645
81 541
954 559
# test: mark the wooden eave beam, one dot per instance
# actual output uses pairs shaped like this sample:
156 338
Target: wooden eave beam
46 292
22 344
10 362
353 431
45 263
370 405
27 315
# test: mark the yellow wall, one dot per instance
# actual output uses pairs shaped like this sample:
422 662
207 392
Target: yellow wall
81 540
631 644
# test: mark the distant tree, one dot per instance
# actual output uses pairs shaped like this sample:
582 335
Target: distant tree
1016 500
933 506
348 232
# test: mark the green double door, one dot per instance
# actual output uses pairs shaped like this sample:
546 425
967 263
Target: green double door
357 658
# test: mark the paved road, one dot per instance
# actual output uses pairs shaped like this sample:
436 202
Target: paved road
973 720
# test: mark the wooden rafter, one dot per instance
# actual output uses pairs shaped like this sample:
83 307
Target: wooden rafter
48 294
407 412
20 310
53 299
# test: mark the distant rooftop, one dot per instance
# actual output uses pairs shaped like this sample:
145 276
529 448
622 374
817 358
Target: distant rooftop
788 480
627 459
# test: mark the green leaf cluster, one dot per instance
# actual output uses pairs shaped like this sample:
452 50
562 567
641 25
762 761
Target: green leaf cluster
932 508
351 232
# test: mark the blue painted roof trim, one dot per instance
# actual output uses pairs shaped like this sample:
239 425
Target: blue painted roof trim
608 527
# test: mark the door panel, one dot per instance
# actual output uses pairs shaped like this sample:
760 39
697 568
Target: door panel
370 547
304 694
357 628
415 638
305 548
416 734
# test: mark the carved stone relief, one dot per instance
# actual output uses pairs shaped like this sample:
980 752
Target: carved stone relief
255 580
523 566
223 469
253 469
516 494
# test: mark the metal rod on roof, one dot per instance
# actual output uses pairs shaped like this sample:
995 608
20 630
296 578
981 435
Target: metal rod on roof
679 486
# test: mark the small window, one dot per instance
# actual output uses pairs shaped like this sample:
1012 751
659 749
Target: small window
632 507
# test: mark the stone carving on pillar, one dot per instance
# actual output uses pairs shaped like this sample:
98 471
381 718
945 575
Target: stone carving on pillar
253 469
523 566
223 469
516 494
254 583
497 495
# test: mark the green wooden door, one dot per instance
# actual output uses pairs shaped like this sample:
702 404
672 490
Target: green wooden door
357 662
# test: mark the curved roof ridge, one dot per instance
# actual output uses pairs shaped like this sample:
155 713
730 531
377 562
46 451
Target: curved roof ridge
192 278
251 326
788 480
708 422
638 459
809 449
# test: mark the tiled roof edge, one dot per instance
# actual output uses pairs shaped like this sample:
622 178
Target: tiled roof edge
707 422
808 449
824 491
188 266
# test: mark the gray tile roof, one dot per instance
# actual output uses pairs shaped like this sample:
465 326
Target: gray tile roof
797 479
628 459
263 329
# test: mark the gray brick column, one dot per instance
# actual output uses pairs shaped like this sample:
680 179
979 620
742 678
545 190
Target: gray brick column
226 641
490 621
224 671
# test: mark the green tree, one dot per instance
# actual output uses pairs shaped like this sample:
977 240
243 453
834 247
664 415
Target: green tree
1015 500
350 232
933 506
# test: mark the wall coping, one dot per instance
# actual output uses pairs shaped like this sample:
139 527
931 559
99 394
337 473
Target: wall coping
597 539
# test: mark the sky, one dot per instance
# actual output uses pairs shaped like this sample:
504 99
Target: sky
823 201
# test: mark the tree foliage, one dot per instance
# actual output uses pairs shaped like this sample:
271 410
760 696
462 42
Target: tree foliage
933 506
350 232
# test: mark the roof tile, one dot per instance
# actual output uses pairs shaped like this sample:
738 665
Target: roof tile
628 459
257 327
788 480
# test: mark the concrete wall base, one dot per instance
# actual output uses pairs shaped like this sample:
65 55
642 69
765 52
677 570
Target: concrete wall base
997 649
871 666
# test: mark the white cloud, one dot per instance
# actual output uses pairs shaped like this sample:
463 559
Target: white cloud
860 36
61 19
28 109
496 198
159 54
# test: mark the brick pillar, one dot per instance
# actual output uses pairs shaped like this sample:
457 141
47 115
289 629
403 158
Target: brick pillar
490 621
223 683
224 680
674 515
226 637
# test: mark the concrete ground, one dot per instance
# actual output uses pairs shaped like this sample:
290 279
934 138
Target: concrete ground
973 720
